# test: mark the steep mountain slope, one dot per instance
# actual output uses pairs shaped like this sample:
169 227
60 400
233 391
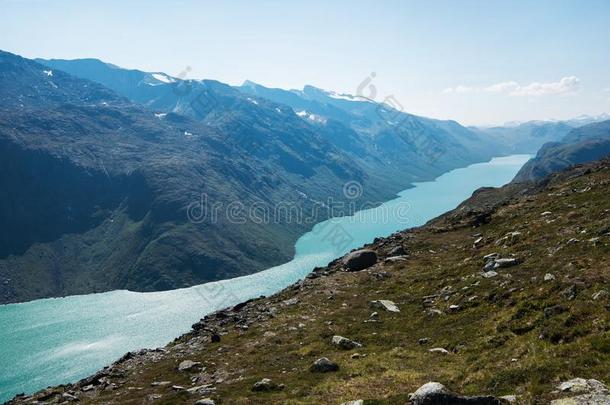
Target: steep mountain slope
394 137
388 143
580 145
505 295
98 190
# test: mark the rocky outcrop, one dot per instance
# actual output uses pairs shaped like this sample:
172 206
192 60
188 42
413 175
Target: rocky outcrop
585 392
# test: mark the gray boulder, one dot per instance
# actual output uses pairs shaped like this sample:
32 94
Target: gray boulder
360 260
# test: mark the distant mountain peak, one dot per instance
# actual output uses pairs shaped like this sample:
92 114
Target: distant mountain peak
250 83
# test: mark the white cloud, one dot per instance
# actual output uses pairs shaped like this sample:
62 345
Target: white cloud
459 89
504 87
567 85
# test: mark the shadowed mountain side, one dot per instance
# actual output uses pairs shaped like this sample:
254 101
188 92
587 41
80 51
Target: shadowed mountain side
581 145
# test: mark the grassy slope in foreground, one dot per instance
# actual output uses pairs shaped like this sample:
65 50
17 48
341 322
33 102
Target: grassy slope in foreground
520 332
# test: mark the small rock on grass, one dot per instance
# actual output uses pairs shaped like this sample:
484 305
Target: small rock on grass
324 365
397 251
69 397
159 383
266 385
435 393
385 305
188 365
439 350
345 343
205 401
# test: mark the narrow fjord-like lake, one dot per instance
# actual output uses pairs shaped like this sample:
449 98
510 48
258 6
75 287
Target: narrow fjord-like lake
52 341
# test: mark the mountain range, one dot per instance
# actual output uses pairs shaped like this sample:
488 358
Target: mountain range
110 173
380 138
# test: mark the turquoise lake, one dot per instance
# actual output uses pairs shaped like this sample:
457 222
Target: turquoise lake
58 340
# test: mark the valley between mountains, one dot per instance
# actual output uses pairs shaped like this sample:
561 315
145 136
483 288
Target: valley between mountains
100 166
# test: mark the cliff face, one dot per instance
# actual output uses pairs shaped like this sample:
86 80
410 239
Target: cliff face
505 295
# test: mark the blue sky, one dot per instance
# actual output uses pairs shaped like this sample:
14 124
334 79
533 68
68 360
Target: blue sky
478 62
